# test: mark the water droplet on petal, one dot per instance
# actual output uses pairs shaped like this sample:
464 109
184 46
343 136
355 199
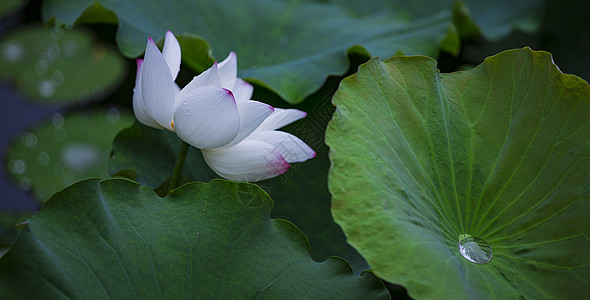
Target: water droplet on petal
474 249
187 111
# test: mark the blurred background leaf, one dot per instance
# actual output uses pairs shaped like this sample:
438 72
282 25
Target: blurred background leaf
68 148
53 65
290 47
10 6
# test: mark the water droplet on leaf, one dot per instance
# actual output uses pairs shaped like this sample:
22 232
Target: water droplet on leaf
57 78
57 120
18 166
43 158
25 183
113 115
12 52
29 139
41 67
79 156
474 249
46 88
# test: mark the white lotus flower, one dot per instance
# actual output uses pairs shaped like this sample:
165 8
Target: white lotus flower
214 113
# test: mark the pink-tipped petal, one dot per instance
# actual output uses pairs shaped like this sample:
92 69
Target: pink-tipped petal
249 161
138 106
252 114
207 118
242 90
172 54
228 71
281 117
158 89
209 77
289 146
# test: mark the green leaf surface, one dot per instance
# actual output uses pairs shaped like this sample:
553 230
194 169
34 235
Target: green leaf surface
301 194
46 65
499 153
65 149
116 239
290 47
496 19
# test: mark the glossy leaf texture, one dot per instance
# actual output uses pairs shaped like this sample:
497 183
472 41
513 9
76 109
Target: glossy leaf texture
116 239
51 155
499 154
301 194
44 65
290 47
496 19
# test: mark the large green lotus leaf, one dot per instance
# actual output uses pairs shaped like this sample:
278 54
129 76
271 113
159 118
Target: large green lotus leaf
289 46
8 228
117 239
499 153
64 149
301 194
46 64
496 19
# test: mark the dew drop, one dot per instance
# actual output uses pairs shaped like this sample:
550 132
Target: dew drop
474 249
18 167
57 120
43 158
113 115
57 78
25 183
46 88
29 139
12 52
80 156
41 67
